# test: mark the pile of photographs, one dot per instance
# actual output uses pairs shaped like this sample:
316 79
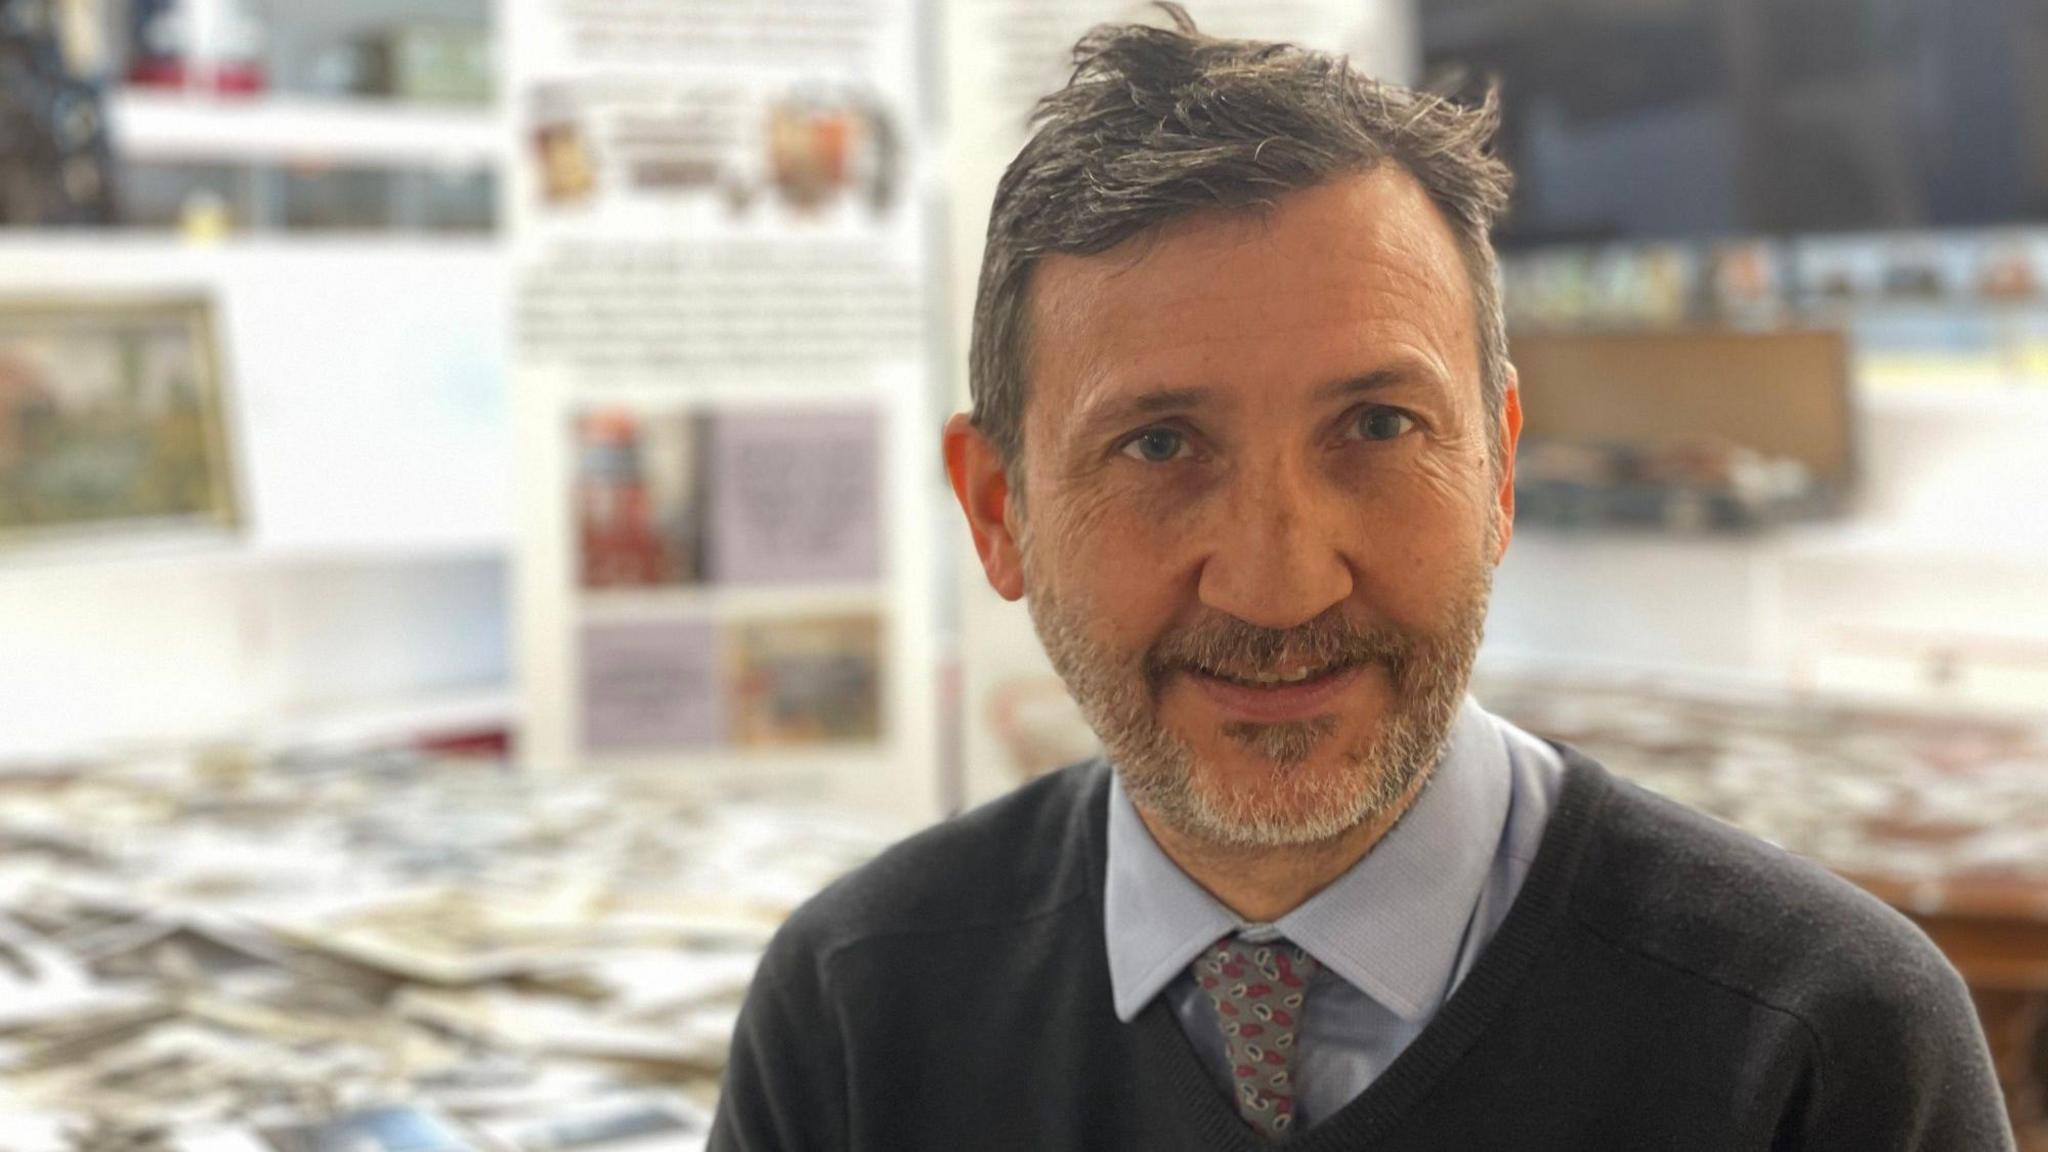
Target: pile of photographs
1906 800
386 952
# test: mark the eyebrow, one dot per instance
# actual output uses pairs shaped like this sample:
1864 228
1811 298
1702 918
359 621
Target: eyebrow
1377 380
1155 402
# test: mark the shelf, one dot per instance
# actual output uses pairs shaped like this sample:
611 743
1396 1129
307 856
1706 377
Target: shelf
1919 546
388 723
1834 309
1965 395
236 556
90 255
154 126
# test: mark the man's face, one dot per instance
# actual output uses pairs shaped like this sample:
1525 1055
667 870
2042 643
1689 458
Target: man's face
1260 513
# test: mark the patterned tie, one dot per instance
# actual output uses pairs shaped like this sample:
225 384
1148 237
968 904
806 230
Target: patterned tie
1258 990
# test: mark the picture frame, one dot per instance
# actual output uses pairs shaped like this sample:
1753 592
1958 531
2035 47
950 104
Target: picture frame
113 420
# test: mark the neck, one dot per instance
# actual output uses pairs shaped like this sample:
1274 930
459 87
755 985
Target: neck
1262 884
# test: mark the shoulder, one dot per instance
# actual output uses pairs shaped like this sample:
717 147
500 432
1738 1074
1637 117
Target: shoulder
1702 898
1894 1056
1019 857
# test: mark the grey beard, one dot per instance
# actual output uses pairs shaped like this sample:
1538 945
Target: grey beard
1119 696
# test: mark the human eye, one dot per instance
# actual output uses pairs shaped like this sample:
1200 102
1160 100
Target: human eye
1380 423
1155 445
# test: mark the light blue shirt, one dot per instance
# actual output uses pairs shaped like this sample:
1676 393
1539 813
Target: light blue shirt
1394 934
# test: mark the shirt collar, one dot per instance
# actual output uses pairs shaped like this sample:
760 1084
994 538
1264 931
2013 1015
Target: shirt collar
1390 926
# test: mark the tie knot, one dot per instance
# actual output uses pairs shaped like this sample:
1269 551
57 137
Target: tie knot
1259 990
1275 962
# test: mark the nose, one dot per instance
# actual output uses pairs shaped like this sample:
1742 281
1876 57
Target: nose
1278 560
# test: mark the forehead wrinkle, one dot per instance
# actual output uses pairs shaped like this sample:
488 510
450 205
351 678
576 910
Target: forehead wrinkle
1086 400
1050 323
1441 300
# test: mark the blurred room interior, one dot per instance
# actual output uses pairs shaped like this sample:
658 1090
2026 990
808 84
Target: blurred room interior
473 550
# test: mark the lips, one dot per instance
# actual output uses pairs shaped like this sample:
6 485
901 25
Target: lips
1274 698
1294 675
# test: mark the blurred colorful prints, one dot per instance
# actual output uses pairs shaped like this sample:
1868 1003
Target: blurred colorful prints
111 419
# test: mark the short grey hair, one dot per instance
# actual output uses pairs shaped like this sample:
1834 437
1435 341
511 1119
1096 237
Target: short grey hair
1157 123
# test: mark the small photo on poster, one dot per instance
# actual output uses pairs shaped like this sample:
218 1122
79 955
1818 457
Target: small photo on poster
801 154
825 147
565 170
652 687
807 681
639 495
626 1124
795 496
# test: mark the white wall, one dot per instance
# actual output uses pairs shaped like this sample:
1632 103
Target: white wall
369 418
1936 588
114 653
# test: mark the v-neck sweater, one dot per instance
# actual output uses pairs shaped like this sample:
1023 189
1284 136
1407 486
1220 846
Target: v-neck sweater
1392 936
1661 981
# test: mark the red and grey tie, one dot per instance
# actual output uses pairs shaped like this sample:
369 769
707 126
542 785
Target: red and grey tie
1259 990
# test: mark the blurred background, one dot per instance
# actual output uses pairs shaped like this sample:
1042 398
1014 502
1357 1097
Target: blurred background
473 553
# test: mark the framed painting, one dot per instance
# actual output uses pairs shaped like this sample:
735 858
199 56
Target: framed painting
113 419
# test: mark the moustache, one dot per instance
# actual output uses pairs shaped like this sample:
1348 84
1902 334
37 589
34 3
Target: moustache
1232 647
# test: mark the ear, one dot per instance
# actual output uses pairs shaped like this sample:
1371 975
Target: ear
1510 436
983 489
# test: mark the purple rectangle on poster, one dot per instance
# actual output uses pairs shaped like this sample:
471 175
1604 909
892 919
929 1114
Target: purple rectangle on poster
795 497
651 687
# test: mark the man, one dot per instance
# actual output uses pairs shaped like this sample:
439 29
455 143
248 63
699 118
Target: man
1243 438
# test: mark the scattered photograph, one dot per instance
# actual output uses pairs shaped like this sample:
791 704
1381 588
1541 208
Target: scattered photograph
642 1125
396 1129
111 419
807 681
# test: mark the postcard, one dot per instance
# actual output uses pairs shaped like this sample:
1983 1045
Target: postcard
404 1128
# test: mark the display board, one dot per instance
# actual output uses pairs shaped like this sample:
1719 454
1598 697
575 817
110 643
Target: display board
723 394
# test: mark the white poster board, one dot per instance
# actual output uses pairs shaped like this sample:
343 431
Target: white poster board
721 268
